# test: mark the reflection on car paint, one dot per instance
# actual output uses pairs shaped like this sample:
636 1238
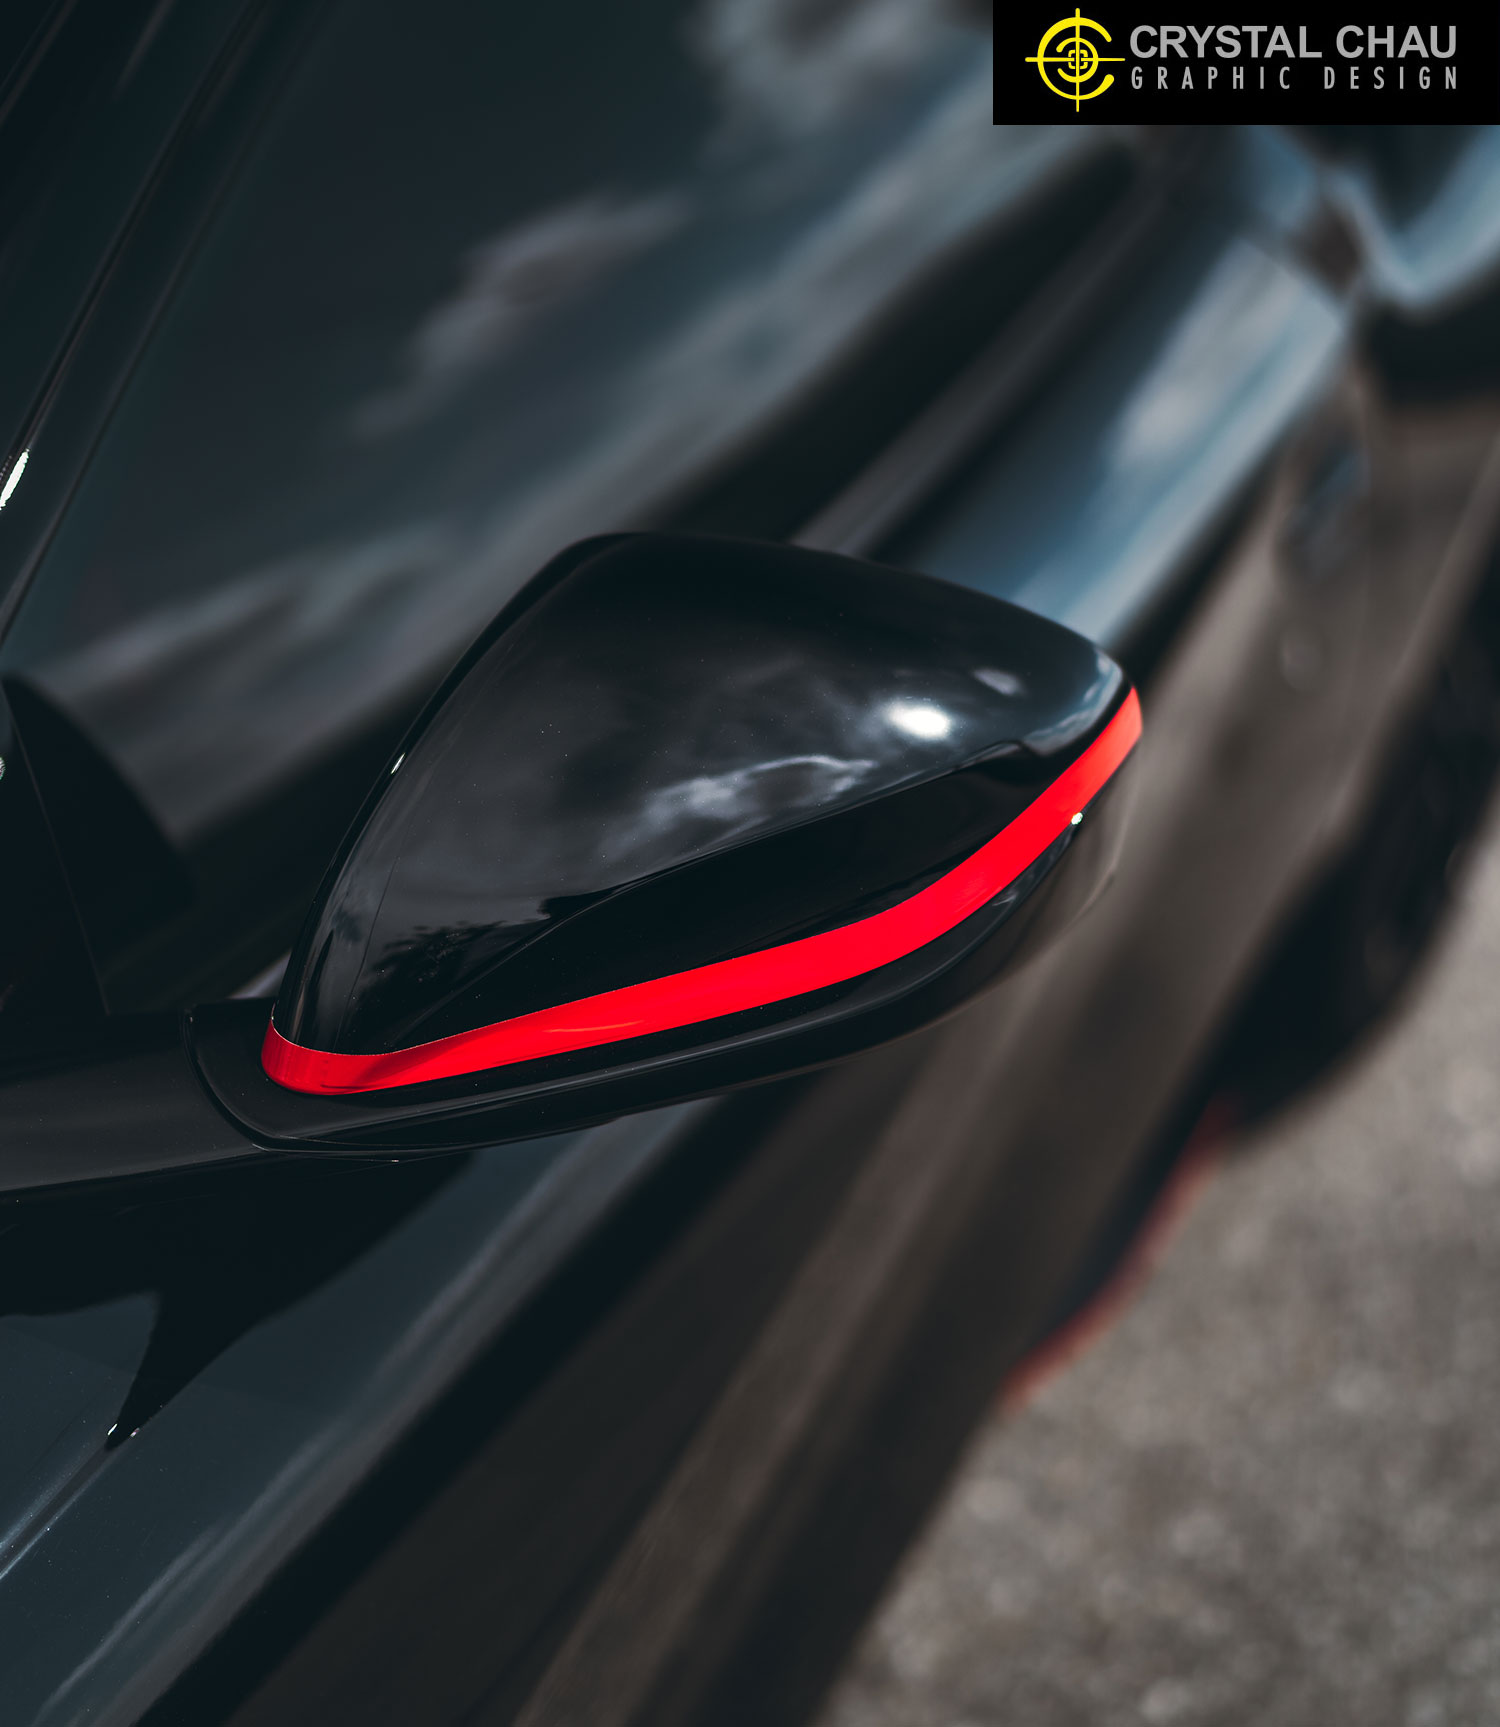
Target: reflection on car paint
594 359
1149 438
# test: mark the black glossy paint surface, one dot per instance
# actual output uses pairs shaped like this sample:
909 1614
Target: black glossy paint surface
678 750
46 980
492 280
210 1234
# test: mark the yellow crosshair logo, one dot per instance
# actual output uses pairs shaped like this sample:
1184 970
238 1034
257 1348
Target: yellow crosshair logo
1074 60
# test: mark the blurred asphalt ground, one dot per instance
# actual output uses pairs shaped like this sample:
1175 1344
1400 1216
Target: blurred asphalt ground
1270 1495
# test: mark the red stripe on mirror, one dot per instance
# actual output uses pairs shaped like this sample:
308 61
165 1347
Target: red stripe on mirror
731 985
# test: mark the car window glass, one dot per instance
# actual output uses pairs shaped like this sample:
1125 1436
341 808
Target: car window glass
494 279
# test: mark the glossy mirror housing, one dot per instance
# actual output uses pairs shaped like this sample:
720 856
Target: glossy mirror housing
690 813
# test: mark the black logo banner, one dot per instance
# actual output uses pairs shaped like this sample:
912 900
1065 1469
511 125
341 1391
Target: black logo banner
1096 63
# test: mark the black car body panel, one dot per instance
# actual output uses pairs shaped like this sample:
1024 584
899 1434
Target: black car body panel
628 1424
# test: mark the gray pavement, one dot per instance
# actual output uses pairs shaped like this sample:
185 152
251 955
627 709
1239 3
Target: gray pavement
1270 1494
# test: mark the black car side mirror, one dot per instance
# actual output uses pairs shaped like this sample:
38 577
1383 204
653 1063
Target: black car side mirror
690 813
